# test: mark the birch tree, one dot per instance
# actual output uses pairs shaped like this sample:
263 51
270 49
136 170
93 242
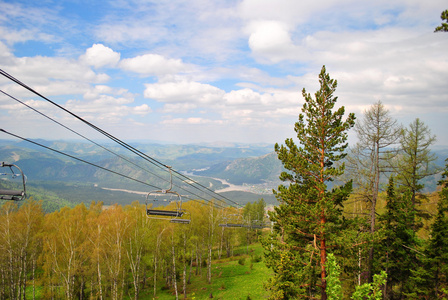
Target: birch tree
64 247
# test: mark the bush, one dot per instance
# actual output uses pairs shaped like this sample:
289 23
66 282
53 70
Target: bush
256 258
242 261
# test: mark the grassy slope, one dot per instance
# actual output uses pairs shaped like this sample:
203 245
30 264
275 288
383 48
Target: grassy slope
230 280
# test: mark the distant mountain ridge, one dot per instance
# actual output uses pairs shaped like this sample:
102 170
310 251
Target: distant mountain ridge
44 168
254 169
266 168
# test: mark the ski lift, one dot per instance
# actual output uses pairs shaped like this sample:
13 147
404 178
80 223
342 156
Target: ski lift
234 225
239 224
175 216
16 195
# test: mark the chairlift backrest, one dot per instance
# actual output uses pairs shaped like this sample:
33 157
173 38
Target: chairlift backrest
181 221
16 195
168 213
172 215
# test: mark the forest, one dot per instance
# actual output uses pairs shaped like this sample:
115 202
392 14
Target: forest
115 252
364 237
355 205
352 222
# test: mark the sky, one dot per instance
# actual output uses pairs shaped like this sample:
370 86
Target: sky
200 71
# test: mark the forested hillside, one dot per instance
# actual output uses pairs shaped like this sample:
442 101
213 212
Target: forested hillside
74 181
373 234
115 252
361 221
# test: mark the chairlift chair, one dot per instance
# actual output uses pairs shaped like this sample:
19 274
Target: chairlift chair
232 225
239 224
175 216
16 195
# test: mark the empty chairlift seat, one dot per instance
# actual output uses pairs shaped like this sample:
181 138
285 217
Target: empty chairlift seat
11 195
174 216
167 213
10 170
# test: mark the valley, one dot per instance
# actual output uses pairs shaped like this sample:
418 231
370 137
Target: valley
225 170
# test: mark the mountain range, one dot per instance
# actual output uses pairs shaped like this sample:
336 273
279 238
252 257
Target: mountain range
77 171
83 172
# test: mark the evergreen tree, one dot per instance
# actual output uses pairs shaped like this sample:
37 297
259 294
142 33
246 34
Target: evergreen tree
308 218
415 161
368 291
432 278
377 132
397 249
444 26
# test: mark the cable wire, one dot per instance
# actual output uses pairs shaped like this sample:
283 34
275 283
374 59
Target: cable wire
99 145
77 158
123 144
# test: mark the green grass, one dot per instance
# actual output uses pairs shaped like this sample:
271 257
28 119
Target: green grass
230 280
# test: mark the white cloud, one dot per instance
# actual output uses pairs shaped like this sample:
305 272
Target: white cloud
271 40
12 37
107 107
178 108
153 64
243 97
6 56
100 56
43 70
183 91
231 65
191 121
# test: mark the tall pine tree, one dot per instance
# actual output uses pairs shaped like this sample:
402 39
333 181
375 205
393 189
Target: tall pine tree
397 254
308 218
434 274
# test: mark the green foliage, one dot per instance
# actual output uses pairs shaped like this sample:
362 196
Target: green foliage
371 291
256 258
397 253
334 288
254 212
366 291
432 279
444 25
309 213
415 160
242 261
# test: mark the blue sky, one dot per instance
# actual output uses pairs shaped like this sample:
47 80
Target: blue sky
201 71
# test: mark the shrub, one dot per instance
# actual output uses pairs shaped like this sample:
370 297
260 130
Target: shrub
242 261
256 258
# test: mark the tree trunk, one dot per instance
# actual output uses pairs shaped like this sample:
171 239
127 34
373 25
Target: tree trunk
34 276
155 275
191 267
209 265
323 261
99 275
185 267
184 274
174 271
375 189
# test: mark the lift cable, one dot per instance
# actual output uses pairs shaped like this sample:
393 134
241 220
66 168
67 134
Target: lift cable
125 145
80 135
110 151
77 158
102 168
